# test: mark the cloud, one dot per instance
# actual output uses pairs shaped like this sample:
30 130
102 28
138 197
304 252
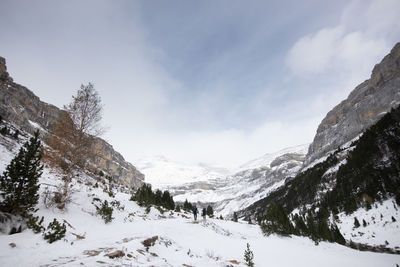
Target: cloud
365 33
226 147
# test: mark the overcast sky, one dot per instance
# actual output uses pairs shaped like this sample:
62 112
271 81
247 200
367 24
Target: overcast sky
218 82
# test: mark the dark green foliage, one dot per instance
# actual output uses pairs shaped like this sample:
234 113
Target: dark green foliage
249 256
296 192
4 130
373 167
110 191
35 224
364 223
167 201
1 119
55 231
117 204
178 208
300 227
276 221
337 235
210 211
235 217
356 223
220 217
16 134
104 210
371 173
316 225
145 197
398 197
19 183
187 206
101 173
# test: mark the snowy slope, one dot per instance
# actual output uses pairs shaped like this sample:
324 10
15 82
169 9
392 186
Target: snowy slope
161 172
252 181
269 157
181 241
379 229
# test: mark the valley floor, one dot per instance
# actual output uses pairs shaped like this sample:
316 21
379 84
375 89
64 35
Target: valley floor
181 241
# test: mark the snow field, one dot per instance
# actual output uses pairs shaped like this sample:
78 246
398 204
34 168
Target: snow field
180 240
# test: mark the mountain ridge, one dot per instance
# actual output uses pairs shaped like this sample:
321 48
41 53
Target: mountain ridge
364 106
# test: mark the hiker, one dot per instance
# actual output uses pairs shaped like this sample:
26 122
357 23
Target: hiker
195 211
203 213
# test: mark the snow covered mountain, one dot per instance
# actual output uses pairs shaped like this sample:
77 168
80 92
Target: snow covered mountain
226 192
162 172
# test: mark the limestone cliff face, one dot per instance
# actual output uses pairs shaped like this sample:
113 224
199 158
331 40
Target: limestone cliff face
22 107
365 105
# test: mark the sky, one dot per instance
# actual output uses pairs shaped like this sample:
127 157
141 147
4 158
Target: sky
216 82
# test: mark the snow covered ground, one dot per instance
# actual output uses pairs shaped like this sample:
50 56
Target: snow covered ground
181 241
379 229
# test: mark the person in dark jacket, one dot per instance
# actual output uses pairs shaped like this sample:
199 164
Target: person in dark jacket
195 211
203 213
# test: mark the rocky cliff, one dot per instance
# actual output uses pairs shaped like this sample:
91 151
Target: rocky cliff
365 105
22 107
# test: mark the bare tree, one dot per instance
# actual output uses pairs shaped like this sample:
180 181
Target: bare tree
73 135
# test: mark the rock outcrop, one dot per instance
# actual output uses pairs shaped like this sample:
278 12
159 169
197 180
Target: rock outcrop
22 107
365 105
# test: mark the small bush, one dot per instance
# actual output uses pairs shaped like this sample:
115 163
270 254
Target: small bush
178 208
4 130
55 231
364 223
249 256
235 217
356 223
16 134
35 224
117 204
105 211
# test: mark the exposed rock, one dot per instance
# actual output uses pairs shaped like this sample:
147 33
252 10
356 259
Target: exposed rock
13 245
365 105
149 242
3 69
115 254
11 224
92 253
22 107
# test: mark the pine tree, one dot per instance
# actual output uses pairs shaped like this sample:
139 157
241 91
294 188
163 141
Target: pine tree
364 223
4 130
187 206
235 217
249 256
16 134
19 182
210 211
356 223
